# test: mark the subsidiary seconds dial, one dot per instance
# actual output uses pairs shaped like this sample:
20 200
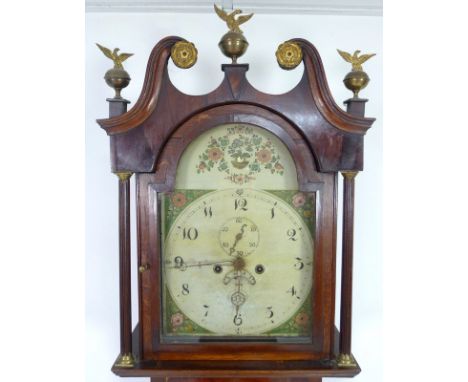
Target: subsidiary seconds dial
239 236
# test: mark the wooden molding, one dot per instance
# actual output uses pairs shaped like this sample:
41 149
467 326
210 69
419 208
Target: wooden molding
331 7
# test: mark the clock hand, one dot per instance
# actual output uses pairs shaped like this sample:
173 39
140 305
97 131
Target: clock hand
237 238
238 298
181 265
237 275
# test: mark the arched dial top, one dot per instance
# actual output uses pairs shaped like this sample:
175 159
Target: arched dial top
309 107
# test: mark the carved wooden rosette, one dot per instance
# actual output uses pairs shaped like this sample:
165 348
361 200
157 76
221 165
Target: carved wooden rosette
324 140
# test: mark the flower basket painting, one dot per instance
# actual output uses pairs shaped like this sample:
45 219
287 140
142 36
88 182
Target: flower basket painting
240 153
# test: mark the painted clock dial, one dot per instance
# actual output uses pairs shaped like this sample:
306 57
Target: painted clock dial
238 257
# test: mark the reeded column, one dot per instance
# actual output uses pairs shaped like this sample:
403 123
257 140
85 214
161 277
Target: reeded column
345 359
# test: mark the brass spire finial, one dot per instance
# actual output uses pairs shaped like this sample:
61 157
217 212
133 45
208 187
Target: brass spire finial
117 77
357 79
233 44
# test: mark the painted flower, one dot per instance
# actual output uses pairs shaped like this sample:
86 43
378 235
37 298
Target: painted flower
179 199
264 155
177 319
202 166
301 319
239 179
278 166
215 154
298 200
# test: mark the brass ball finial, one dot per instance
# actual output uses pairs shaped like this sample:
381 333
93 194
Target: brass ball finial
357 79
117 77
289 55
184 54
233 44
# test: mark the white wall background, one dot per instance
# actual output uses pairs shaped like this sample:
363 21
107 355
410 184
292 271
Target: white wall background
138 33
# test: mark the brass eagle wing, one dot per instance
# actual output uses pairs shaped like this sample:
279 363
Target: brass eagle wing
222 14
243 19
107 52
233 19
355 60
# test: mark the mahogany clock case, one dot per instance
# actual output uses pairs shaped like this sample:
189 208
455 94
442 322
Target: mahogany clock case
149 139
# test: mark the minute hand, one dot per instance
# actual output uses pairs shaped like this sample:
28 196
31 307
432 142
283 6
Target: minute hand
183 266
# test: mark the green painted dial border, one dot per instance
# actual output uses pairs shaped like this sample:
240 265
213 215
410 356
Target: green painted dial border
176 323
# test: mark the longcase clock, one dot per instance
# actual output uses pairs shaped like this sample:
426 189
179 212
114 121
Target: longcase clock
236 200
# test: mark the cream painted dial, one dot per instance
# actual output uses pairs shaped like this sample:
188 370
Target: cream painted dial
238 262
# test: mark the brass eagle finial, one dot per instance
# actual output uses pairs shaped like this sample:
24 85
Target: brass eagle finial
233 19
355 60
115 56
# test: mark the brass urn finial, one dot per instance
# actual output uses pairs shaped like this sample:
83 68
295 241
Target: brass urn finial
357 79
117 77
233 44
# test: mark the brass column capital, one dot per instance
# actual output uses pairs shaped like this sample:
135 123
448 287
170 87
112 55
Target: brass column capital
349 174
123 175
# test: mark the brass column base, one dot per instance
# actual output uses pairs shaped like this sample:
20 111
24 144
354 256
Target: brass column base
125 360
346 360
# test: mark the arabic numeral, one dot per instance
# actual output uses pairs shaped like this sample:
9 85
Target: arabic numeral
237 320
208 212
179 262
273 210
240 204
190 233
270 312
299 264
293 292
291 234
185 289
